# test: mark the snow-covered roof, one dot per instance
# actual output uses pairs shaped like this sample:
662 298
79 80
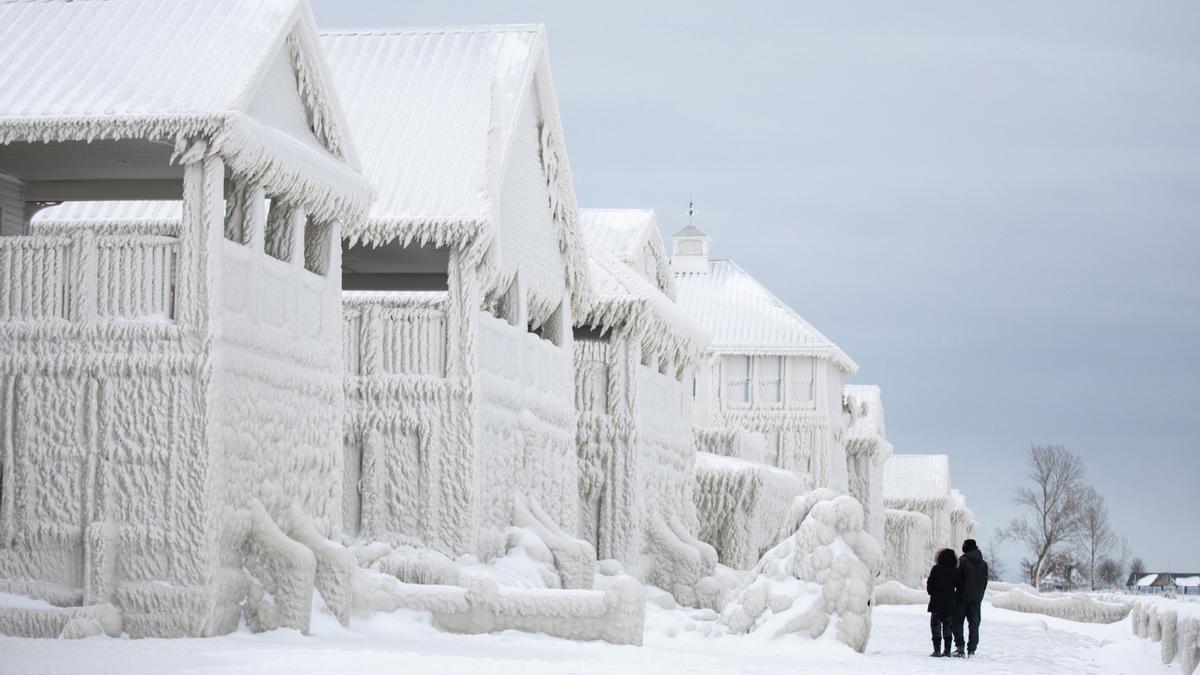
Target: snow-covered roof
622 296
422 103
690 231
865 403
916 477
744 317
99 214
435 111
173 71
628 234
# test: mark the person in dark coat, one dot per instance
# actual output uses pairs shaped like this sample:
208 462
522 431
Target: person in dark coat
942 587
972 583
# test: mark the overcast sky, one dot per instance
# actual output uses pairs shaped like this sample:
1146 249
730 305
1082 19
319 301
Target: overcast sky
993 207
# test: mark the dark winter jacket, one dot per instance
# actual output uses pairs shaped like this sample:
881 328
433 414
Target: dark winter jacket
942 584
972 577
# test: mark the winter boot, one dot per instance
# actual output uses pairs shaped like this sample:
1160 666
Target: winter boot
959 653
937 649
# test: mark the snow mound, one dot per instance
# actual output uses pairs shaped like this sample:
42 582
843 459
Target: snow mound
1073 607
896 593
819 577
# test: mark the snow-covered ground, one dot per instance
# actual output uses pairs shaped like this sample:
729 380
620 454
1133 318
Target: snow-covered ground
405 642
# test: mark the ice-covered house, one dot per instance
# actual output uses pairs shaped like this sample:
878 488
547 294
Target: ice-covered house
918 503
461 285
962 519
170 388
768 403
634 358
867 449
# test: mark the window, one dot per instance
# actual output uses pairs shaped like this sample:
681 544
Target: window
800 380
737 379
769 379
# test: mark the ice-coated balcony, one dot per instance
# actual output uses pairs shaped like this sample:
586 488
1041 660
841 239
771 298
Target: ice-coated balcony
395 333
85 277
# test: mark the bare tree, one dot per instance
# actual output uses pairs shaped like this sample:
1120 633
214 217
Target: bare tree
1109 571
1053 505
1096 537
996 567
1137 567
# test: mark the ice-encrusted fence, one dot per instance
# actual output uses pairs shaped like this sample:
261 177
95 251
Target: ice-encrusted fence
524 360
1173 623
395 333
88 277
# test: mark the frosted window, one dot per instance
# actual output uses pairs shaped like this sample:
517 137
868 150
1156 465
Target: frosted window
800 375
737 379
770 379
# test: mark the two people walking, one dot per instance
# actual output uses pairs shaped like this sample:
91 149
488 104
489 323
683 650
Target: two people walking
956 587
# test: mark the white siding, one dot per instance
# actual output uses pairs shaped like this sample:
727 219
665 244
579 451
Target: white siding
527 233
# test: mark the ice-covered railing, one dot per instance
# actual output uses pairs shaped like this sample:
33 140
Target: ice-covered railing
84 277
523 358
394 333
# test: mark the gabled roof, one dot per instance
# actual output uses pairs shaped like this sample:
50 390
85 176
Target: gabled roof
172 71
622 296
744 317
435 111
627 233
916 477
430 107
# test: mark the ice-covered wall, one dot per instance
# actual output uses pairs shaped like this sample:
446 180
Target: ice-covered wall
525 429
170 377
907 546
637 457
409 439
867 450
741 506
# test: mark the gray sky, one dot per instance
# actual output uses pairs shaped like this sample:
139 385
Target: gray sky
993 207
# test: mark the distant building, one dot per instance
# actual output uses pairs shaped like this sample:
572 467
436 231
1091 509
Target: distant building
1185 583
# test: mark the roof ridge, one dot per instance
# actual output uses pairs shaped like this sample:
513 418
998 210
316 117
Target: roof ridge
428 30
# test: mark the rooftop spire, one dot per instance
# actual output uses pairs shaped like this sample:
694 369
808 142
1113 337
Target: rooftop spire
690 245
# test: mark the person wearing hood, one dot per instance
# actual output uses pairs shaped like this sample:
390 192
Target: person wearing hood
972 584
942 587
